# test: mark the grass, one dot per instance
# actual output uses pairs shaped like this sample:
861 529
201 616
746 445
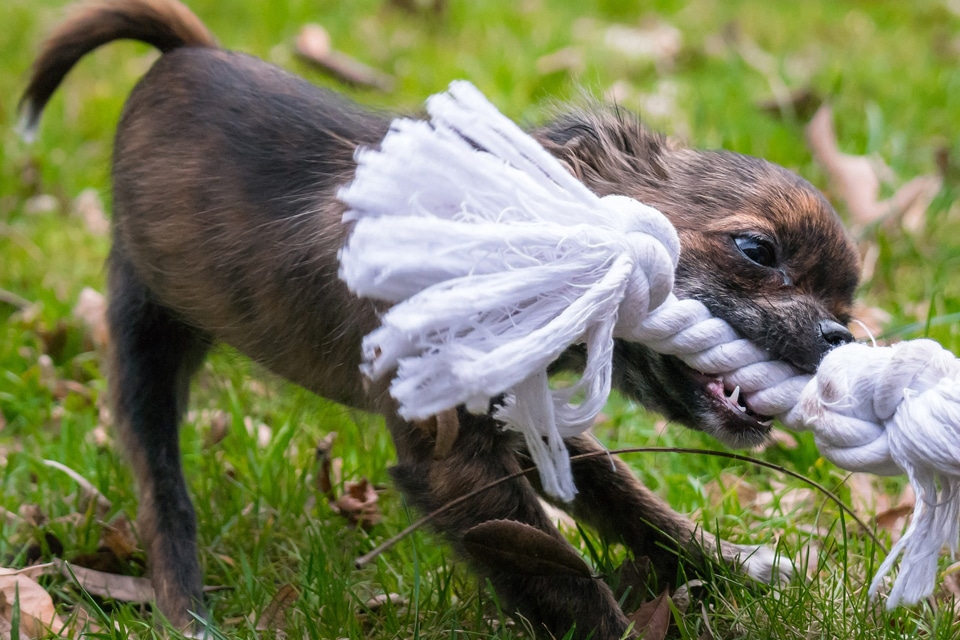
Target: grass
892 72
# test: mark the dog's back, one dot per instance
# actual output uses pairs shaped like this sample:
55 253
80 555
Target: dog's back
224 172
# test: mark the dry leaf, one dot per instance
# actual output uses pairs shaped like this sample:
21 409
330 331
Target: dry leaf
655 41
89 206
313 45
681 597
568 59
37 613
522 548
856 180
274 616
91 311
325 462
107 585
707 633
652 619
377 602
633 579
262 432
358 504
219 428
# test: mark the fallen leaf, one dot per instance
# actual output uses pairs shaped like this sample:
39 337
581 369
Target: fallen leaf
652 620
568 59
681 597
707 633
37 613
377 602
107 585
655 41
260 431
856 180
358 504
274 616
633 579
314 45
325 464
219 428
89 207
522 548
91 312
800 104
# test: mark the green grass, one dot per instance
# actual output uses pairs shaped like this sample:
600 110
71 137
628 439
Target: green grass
892 72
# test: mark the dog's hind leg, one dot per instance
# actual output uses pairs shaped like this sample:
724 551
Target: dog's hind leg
153 356
481 454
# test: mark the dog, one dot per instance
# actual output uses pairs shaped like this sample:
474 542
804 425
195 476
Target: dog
226 228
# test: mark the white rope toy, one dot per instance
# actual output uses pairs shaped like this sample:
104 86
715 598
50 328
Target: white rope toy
498 260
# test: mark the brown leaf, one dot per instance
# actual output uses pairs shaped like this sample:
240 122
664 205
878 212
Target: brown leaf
894 519
633 579
89 206
652 619
801 104
655 40
91 312
856 180
707 633
37 613
359 504
519 547
681 597
313 45
325 481
568 59
274 616
377 602
219 428
107 585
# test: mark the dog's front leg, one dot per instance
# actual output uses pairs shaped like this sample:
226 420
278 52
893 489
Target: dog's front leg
622 509
481 454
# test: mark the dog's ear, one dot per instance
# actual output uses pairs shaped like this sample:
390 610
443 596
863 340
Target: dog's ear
607 147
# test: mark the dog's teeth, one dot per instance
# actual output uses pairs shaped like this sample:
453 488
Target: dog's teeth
735 395
767 423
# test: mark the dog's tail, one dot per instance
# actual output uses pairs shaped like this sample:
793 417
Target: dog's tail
165 24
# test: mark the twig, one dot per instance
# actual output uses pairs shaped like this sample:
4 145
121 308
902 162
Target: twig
12 299
392 541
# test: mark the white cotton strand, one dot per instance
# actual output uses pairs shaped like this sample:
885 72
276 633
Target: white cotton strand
498 259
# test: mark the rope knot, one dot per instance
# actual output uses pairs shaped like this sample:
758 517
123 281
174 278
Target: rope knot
653 246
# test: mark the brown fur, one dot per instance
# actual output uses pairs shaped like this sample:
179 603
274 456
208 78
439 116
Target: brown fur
226 229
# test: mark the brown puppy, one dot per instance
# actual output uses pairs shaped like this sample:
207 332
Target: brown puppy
226 229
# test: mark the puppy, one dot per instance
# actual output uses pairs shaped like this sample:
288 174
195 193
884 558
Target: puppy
226 229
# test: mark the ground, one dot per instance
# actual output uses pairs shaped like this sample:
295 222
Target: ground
746 76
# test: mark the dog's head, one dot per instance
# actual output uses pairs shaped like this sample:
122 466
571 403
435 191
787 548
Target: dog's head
761 248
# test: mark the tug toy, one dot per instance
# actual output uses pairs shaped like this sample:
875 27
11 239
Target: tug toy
497 260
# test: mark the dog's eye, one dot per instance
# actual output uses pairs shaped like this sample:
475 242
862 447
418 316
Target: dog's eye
757 250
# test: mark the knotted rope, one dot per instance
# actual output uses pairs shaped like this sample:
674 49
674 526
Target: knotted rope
498 260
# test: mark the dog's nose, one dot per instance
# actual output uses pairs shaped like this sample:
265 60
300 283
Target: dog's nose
833 334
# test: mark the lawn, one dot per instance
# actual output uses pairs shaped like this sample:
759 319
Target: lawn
744 76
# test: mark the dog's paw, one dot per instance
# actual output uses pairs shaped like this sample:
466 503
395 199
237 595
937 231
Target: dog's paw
761 563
